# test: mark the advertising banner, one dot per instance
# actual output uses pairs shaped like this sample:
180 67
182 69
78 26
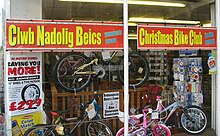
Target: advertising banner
24 83
164 37
22 123
110 104
32 35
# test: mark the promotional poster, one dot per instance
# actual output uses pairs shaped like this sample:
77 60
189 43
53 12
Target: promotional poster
24 86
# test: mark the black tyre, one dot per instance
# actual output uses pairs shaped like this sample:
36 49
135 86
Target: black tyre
30 92
195 122
99 128
138 70
40 130
64 72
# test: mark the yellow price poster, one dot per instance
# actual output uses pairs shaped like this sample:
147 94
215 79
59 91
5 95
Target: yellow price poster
21 123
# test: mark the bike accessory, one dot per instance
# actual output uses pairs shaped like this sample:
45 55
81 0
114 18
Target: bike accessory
196 69
196 77
181 70
192 68
176 76
181 63
193 76
200 69
175 68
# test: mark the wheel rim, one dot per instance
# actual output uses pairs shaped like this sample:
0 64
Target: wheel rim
138 70
98 129
197 123
40 132
65 70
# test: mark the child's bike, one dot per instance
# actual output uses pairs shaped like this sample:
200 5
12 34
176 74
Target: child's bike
150 126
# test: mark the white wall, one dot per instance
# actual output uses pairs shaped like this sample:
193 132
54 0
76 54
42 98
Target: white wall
26 9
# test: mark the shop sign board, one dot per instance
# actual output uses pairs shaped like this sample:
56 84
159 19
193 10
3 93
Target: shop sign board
184 53
167 37
45 35
24 83
110 104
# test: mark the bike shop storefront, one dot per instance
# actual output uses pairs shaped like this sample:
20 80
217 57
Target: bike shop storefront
32 50
176 56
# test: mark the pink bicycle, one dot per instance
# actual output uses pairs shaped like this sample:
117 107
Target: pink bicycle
150 126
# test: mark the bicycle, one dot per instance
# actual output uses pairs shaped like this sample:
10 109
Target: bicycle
192 118
151 125
95 125
74 71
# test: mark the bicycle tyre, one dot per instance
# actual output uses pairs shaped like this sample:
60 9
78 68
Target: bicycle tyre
36 131
64 69
140 68
120 132
99 127
199 117
29 88
161 130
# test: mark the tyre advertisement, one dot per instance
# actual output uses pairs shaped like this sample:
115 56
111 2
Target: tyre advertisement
24 83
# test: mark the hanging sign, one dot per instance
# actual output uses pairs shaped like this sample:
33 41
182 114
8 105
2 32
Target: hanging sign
44 35
184 53
163 37
110 104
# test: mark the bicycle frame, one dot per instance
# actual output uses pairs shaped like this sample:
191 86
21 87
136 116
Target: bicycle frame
81 120
172 106
94 62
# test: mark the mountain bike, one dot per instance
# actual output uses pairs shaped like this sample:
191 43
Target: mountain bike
74 71
94 124
192 118
150 126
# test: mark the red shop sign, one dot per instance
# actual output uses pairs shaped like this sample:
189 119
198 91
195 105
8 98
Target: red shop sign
32 35
163 37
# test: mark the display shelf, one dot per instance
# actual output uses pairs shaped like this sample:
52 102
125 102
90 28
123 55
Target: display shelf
159 68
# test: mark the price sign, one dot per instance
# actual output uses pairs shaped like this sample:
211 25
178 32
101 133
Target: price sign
91 111
22 105
155 115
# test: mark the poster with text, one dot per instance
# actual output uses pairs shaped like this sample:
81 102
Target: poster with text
110 104
22 123
24 83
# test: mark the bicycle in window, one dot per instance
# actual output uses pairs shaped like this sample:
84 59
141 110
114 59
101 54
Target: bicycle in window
74 71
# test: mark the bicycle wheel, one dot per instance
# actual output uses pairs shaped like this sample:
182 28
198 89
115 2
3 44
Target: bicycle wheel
161 130
65 72
138 70
120 132
40 130
99 128
195 122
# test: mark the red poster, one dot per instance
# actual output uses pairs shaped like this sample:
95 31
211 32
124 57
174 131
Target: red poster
32 35
163 37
